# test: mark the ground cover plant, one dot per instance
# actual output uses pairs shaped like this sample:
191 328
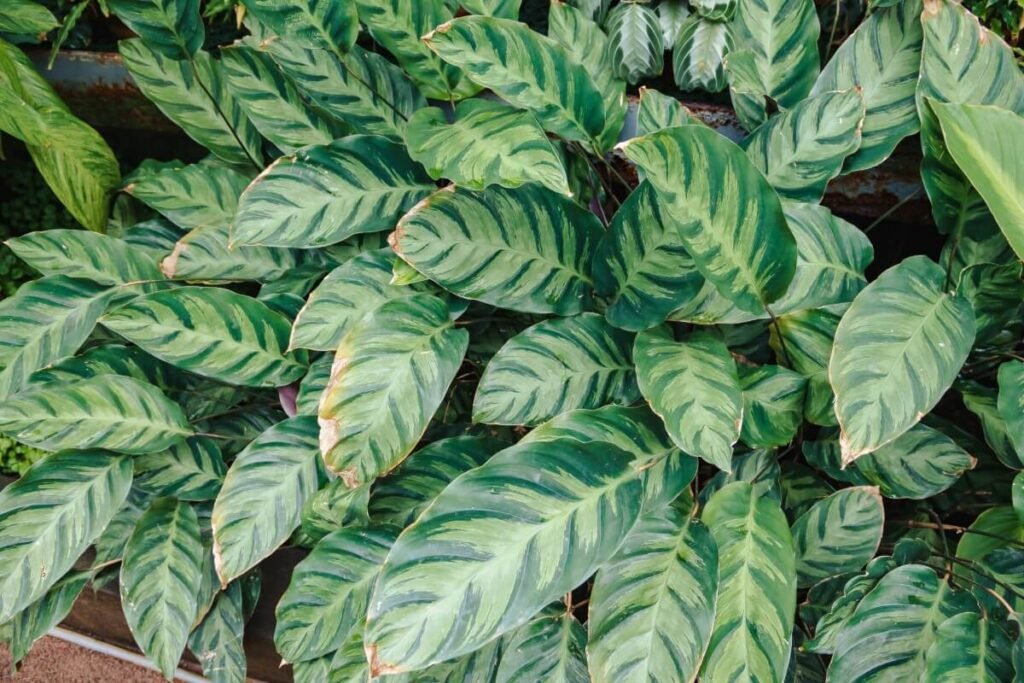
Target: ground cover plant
550 392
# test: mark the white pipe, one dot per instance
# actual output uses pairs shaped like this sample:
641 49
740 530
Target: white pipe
119 653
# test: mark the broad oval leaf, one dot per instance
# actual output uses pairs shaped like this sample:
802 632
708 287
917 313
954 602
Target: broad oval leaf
1010 402
322 24
969 647
81 254
171 27
773 405
839 534
333 508
657 111
217 641
698 57
549 648
635 43
203 195
191 470
807 336
204 255
508 537
714 10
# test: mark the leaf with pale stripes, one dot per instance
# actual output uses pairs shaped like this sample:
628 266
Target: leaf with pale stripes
36 620
746 90
882 58
217 641
156 237
324 194
549 648
518 65
807 336
671 15
635 42
773 405
694 387
508 9
390 374
171 27
160 576
525 250
653 604
839 534
334 507
556 365
657 111
897 350
81 254
756 587
738 239
191 470
111 412
478 564
489 143
193 196
50 516
26 17
969 647
1010 402
759 468
212 332
322 24
843 605
698 57
260 504
205 255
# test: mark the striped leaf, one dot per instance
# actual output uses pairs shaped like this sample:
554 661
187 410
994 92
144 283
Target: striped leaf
635 42
991 548
693 386
477 565
839 534
969 647
653 604
996 293
156 237
466 242
749 99
322 24
657 111
36 620
261 501
549 648
237 430
984 403
715 10
171 27
217 641
641 264
204 255
109 545
873 645
45 321
507 9
403 495
801 487
897 349
845 604
329 591
1010 402
738 240
323 195
756 587
672 14
192 94
556 365
81 254
212 332
882 58
203 195
160 576
698 56
759 468
807 336
518 65
773 405
27 17
313 384
802 149
191 470
334 507
50 516
489 143
390 374
110 412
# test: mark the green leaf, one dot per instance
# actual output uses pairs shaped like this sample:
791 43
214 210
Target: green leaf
464 242
171 27
1011 402
653 604
329 592
714 10
204 255
493 561
80 254
217 641
773 405
261 501
50 516
672 14
756 587
635 42
801 487
324 194
203 195
802 149
160 576
191 470
192 94
334 507
807 337
109 545
984 403
996 529
882 58
36 620
969 647
693 386
111 412
557 365
897 349
996 293
506 9
489 143
26 17
698 56
390 374
321 24
838 534
874 645
212 332
759 468
657 111
518 65
739 240
549 648
749 99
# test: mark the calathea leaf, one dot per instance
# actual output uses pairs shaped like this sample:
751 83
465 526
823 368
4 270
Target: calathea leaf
549 648
80 254
698 57
202 195
984 403
334 507
996 530
807 337
321 24
838 534
160 576
489 143
27 16
109 545
507 9
476 246
897 349
693 386
749 99
996 293
756 587
969 647
324 194
843 605
190 470
171 27
390 375
307 402
261 501
759 468
635 41
773 405
657 112
156 237
653 604
217 641
672 14
715 10
1011 402
740 243
329 591
567 504
801 487
556 365
213 332
36 620
49 517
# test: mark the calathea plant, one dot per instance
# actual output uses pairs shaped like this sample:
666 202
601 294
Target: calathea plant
547 398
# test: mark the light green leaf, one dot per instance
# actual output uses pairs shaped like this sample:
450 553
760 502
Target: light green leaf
203 195
807 337
155 236
838 534
495 561
36 620
800 488
217 641
390 374
1011 402
507 9
26 17
324 194
81 254
897 349
322 24
714 10
635 42
969 647
759 468
984 403
656 112
160 577
671 14
996 293
489 143
261 501
773 405
549 648
693 386
996 529
191 470
556 365
109 545
749 99
653 604
171 27
756 587
782 39
466 242
334 507
698 56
